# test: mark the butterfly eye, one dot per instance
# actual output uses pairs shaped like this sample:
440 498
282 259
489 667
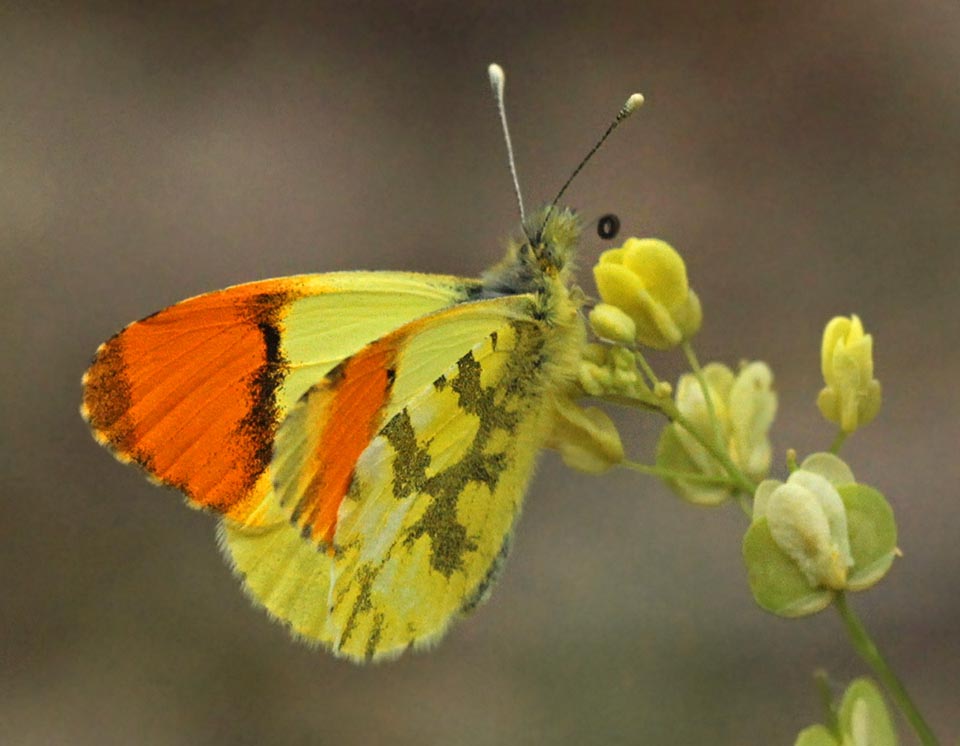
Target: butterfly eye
608 226
551 258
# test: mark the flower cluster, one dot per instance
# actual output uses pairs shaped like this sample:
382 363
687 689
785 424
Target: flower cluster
813 536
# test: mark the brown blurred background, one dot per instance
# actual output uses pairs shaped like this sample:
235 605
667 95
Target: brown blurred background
804 156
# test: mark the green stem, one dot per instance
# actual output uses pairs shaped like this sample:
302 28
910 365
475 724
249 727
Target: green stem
826 699
647 370
701 379
658 471
739 479
868 650
838 442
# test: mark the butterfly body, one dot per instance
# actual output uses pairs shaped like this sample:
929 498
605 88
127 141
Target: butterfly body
365 437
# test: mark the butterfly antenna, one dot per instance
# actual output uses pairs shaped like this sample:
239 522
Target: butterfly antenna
634 102
497 79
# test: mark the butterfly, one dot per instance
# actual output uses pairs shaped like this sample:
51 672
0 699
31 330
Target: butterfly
365 438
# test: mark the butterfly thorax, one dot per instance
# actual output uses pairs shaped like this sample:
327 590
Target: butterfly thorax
540 259
540 263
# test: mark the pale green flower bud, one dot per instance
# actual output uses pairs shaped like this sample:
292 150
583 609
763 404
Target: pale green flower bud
852 395
752 407
744 404
862 720
864 717
818 533
647 280
808 521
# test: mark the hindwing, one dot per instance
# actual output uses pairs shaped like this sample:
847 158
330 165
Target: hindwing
397 480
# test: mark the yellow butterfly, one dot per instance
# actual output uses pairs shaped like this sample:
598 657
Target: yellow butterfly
366 437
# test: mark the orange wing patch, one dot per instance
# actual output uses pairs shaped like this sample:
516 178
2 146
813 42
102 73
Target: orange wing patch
350 403
188 393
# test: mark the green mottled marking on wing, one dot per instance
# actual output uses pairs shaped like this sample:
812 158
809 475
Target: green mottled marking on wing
365 575
410 467
498 407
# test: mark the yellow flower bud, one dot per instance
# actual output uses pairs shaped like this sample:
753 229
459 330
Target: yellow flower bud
852 395
609 322
663 390
647 280
610 371
586 437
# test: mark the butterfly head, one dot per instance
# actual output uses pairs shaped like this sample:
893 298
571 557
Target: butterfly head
540 257
551 236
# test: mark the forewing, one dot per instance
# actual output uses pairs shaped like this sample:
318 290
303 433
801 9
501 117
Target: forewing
195 393
395 493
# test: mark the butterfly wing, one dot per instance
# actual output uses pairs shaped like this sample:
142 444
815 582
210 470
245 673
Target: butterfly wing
194 394
399 476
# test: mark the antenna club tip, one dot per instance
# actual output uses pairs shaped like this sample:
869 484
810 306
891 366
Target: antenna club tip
633 103
496 76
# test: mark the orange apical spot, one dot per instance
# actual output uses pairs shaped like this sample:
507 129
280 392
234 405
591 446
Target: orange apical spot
189 393
351 407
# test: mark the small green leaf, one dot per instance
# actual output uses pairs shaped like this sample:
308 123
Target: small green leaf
775 580
873 534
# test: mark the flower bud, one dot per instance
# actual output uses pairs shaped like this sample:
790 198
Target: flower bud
862 719
818 533
752 407
587 439
852 395
808 521
647 280
609 322
744 404
611 371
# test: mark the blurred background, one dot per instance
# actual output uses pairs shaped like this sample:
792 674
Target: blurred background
805 158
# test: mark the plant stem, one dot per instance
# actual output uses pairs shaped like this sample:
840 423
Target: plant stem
647 370
739 479
701 379
826 699
838 442
658 471
868 650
